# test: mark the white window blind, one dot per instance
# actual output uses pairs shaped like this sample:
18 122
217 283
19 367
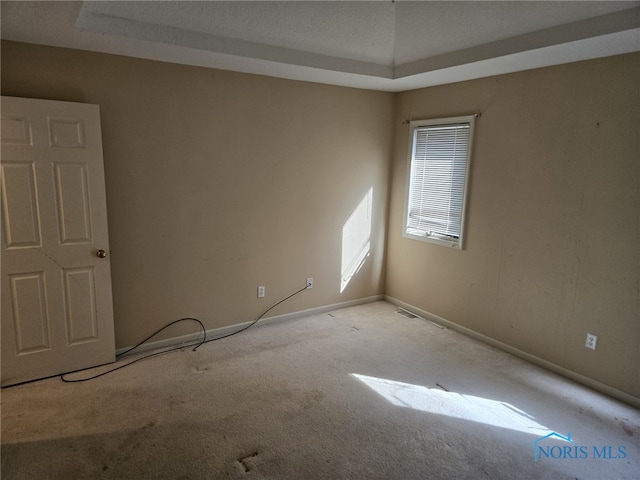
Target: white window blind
438 179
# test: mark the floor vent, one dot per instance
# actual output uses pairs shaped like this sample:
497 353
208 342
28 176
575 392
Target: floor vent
408 314
404 313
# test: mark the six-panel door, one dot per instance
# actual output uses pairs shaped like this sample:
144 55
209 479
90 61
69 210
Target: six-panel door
57 313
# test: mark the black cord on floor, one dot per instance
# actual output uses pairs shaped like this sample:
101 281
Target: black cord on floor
257 319
196 345
204 334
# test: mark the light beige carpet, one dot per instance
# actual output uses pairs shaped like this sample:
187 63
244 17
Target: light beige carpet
357 393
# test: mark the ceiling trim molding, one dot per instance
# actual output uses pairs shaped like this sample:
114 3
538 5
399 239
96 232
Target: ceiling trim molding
548 37
112 25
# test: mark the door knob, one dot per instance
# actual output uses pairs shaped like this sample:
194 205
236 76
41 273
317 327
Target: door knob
101 253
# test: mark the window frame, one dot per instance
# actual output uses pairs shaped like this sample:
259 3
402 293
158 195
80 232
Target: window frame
443 240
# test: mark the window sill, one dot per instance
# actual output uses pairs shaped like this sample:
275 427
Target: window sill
435 239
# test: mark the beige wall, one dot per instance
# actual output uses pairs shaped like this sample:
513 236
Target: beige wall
218 182
553 233
553 223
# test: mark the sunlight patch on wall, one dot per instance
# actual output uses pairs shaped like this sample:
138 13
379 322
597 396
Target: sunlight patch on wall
356 239
455 405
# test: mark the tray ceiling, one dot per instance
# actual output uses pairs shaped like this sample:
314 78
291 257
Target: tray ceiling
380 45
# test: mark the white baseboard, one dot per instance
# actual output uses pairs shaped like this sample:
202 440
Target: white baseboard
193 338
576 377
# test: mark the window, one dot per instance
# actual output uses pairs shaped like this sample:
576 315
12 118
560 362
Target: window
440 151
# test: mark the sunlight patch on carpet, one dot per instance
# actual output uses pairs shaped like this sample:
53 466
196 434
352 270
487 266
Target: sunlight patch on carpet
455 405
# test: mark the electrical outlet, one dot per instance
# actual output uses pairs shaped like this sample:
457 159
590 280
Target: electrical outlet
261 292
309 283
591 341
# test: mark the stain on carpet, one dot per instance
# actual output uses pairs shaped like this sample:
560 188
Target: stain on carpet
248 462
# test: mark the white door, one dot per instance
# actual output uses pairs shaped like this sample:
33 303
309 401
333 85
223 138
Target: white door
57 312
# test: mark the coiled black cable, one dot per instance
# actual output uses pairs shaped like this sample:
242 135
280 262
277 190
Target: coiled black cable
196 345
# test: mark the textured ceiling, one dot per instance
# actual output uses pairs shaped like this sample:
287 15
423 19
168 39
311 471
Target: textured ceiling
368 44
